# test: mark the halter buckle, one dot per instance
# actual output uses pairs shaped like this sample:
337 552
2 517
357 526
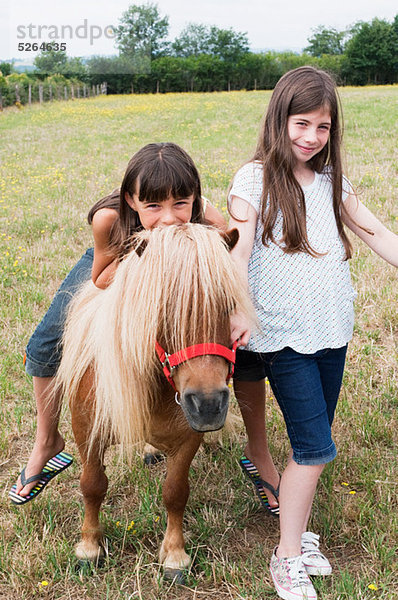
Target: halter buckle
166 364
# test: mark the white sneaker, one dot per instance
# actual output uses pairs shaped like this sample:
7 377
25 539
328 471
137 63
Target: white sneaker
291 579
314 561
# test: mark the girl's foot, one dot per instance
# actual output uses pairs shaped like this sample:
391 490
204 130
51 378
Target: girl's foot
291 579
314 561
268 473
41 453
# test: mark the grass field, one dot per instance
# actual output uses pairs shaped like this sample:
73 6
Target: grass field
56 160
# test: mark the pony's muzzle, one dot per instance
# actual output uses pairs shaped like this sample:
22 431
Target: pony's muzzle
205 411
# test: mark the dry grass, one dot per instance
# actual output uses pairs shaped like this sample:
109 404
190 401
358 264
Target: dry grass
56 161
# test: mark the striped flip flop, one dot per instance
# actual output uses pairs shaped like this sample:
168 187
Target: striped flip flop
54 466
252 473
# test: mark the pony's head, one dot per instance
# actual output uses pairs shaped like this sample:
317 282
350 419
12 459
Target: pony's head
199 373
200 290
179 290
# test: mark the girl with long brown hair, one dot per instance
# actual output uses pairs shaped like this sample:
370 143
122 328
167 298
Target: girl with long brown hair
290 203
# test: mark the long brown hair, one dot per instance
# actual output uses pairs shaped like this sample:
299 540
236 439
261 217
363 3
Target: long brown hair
155 172
299 91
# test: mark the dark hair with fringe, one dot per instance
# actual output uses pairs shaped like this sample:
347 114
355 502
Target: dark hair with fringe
299 91
154 173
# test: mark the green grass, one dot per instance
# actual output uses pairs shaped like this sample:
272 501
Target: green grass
56 161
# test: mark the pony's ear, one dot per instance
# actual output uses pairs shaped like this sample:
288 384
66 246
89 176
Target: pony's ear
230 238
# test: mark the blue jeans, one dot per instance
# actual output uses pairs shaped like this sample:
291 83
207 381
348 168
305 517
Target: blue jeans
306 387
43 352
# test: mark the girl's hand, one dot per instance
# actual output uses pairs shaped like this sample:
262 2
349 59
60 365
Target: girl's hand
240 328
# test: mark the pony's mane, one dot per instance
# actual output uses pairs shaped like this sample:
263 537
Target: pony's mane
178 291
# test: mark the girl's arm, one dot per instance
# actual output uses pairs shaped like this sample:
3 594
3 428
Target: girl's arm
383 241
245 222
214 217
105 264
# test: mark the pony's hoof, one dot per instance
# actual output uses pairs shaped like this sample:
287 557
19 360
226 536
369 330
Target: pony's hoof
153 459
175 576
88 567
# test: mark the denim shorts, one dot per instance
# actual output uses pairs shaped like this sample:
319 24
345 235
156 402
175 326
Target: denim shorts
43 352
306 387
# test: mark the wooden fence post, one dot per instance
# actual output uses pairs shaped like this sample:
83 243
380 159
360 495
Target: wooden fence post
51 92
17 96
72 89
1 101
30 94
65 92
41 94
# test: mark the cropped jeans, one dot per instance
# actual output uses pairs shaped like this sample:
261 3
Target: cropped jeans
43 352
306 387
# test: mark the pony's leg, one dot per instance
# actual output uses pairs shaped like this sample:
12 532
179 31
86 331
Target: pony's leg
94 484
175 495
93 481
152 455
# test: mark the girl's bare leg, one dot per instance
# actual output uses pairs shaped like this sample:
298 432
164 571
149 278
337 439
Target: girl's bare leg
48 440
297 492
251 399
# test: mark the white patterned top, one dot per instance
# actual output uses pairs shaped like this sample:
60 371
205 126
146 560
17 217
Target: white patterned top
302 302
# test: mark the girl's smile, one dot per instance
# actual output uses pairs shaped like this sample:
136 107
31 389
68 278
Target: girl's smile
173 211
309 133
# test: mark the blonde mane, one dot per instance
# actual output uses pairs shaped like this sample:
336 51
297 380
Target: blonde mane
177 292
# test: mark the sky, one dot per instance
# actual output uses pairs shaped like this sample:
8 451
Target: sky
270 25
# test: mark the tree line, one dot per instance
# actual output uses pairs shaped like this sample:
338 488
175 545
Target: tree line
207 58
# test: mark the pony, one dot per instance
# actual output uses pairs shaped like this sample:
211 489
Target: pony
148 360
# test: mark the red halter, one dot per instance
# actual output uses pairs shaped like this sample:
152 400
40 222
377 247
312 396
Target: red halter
171 361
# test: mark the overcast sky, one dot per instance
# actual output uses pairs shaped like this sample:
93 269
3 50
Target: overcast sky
276 24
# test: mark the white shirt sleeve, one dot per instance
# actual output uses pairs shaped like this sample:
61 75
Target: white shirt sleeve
248 185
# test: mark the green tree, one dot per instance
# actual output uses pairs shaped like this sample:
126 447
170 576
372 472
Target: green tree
50 61
371 53
5 68
394 34
258 70
325 41
169 74
142 31
192 41
195 39
228 44
209 73
117 71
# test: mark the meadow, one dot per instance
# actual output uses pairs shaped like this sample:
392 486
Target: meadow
56 160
